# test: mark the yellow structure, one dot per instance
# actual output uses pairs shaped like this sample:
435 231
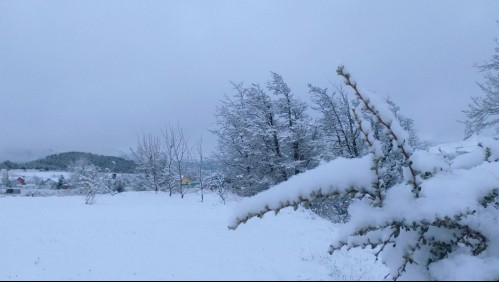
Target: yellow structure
186 180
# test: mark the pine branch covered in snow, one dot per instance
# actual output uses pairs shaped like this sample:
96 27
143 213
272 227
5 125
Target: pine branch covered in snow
440 223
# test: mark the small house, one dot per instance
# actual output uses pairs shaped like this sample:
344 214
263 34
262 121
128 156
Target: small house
49 183
21 180
188 183
186 180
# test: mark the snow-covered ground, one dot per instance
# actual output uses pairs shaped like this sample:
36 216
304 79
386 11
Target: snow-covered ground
148 236
459 147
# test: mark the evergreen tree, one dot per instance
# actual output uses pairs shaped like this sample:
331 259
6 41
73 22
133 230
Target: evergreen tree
60 182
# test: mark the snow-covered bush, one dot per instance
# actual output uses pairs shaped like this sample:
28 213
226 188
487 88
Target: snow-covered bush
440 222
216 182
88 181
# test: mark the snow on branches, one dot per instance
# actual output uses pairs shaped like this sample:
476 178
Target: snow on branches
441 222
391 127
330 179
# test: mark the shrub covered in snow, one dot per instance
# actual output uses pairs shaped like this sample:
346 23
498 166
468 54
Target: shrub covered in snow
440 222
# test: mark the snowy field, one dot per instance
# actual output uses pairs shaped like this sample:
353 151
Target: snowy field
148 236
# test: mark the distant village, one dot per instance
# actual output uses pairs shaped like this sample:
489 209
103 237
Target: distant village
18 180
39 182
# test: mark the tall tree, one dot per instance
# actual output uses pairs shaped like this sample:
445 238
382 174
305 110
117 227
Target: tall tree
181 153
149 160
261 141
341 137
299 136
200 166
5 178
232 150
246 139
264 132
483 112
169 176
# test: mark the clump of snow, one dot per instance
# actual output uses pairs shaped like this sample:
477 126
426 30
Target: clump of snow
470 268
426 162
469 160
442 195
454 148
484 149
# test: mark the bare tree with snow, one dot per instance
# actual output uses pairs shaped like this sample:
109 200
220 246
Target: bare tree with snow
407 124
200 166
299 137
181 153
5 178
261 141
149 160
483 112
340 135
249 147
87 180
216 182
169 176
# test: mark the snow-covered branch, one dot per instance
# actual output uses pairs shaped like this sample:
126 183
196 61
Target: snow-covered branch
393 129
331 179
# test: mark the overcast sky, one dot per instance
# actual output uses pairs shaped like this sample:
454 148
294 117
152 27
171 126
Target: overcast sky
91 75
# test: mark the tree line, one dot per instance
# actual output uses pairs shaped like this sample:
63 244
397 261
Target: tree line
266 135
62 161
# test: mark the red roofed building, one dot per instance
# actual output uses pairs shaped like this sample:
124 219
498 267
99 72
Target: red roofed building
21 180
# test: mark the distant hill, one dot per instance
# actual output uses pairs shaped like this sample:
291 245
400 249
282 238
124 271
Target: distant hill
61 161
